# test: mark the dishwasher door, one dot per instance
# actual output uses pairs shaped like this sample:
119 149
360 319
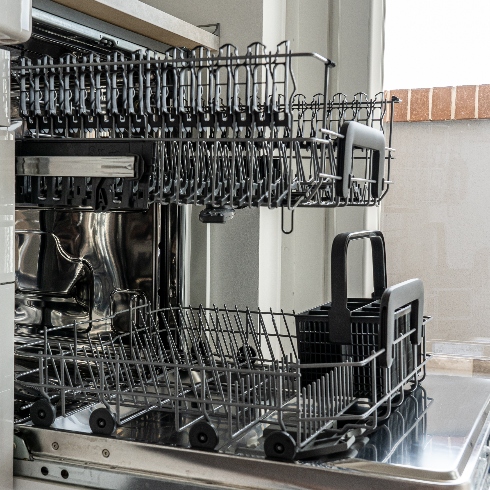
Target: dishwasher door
429 442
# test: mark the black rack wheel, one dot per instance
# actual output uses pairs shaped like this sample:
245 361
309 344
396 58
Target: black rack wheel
102 422
280 445
248 354
203 436
43 413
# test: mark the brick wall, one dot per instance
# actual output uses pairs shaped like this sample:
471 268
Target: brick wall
442 103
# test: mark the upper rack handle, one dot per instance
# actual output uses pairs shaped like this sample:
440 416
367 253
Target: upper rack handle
357 135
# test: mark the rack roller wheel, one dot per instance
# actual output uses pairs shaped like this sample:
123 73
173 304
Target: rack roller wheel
43 413
203 436
102 422
280 445
248 354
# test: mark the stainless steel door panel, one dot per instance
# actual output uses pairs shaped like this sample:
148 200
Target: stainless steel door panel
449 451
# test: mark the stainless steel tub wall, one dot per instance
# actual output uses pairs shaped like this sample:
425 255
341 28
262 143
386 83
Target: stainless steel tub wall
111 253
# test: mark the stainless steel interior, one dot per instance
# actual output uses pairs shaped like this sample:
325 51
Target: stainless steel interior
76 265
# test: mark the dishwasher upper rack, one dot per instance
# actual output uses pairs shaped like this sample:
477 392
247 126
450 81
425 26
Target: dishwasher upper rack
146 93
232 128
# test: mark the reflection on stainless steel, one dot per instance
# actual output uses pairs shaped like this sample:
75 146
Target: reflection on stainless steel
52 285
391 443
406 427
77 166
56 273
438 445
28 311
65 258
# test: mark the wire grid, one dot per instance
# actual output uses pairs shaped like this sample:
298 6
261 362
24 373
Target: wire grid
228 129
197 362
224 366
315 348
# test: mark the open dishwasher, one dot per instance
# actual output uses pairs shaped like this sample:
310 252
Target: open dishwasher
120 386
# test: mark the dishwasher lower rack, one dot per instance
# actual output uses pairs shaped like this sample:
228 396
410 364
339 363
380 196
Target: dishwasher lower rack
227 129
210 368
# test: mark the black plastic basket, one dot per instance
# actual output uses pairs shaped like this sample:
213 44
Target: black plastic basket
351 329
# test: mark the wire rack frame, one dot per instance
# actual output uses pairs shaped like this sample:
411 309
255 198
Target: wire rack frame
231 129
207 366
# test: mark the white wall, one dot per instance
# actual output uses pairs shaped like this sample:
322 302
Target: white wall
436 222
304 274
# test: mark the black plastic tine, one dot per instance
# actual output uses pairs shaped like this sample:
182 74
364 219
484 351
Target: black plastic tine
131 87
278 336
256 336
148 90
83 80
230 331
37 91
93 87
290 337
24 88
244 337
106 79
219 333
32 95
141 80
98 90
111 87
76 87
124 89
263 330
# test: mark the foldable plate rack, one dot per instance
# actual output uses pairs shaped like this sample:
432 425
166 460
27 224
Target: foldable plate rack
219 129
219 372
